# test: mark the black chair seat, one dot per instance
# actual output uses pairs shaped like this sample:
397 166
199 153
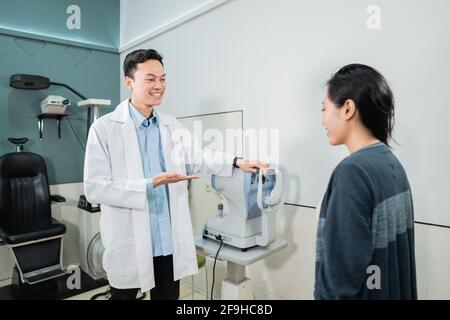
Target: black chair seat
31 233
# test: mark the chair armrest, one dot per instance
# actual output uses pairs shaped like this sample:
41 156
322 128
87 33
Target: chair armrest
57 198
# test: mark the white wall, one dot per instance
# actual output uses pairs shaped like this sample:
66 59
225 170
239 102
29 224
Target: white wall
226 83
69 214
6 263
270 58
141 18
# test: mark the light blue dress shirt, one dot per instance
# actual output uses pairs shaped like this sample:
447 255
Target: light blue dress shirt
152 157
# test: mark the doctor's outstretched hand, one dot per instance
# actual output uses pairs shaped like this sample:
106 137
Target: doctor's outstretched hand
252 166
170 177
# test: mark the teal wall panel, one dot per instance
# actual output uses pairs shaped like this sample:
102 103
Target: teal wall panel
93 73
100 20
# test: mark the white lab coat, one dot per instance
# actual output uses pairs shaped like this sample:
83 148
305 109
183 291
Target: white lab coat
114 178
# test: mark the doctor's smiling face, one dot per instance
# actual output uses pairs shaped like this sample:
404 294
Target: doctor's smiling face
145 78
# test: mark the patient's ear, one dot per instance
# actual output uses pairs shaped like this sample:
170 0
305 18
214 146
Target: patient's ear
349 109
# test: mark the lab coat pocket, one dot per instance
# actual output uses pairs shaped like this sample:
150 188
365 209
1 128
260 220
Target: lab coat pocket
122 257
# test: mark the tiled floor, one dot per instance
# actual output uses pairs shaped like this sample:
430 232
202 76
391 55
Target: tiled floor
185 294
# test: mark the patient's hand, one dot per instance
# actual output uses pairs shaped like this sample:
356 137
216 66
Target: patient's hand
170 177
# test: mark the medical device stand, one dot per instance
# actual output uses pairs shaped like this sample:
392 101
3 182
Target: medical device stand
236 285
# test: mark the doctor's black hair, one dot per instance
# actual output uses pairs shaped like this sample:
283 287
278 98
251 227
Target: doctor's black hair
139 56
371 94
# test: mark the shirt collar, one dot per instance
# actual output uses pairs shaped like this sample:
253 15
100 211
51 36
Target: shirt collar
139 119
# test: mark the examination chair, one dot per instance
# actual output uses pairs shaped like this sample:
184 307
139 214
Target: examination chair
26 224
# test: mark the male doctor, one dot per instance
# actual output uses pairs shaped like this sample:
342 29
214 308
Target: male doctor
137 164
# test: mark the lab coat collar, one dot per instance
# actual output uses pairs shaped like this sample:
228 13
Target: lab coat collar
122 114
139 119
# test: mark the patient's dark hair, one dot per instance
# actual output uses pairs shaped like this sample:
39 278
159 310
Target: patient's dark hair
371 94
139 56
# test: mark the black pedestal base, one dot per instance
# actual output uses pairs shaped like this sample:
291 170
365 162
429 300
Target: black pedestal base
55 289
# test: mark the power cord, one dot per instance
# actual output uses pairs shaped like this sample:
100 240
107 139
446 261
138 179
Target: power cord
76 134
219 237
106 294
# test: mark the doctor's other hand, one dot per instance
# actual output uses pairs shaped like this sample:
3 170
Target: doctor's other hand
170 177
252 166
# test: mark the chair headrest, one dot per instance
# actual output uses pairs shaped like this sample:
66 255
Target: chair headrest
22 164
